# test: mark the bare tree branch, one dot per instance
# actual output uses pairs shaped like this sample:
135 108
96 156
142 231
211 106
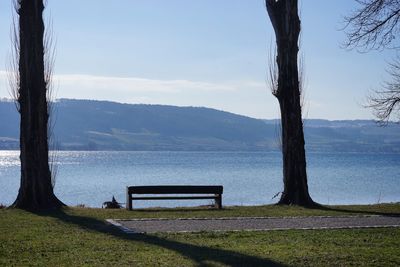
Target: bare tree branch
12 67
386 101
49 46
374 25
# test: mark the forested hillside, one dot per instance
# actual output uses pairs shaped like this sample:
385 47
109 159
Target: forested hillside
103 125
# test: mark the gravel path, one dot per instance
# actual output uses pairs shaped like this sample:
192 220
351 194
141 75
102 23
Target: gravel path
252 224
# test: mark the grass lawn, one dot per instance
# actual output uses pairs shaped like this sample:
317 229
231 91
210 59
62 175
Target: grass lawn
79 236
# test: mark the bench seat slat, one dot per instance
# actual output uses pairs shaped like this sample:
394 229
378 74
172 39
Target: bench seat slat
176 189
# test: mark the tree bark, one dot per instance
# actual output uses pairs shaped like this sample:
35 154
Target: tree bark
36 190
286 23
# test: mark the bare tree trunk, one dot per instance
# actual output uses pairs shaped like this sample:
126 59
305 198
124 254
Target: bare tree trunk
36 191
286 23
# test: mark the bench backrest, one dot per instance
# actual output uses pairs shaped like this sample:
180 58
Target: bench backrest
176 189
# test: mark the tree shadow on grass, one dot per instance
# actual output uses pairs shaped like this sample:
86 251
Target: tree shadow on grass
201 255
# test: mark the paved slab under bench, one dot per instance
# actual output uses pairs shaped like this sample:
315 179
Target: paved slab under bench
252 223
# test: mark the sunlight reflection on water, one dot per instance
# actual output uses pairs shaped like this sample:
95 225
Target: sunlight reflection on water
249 178
9 159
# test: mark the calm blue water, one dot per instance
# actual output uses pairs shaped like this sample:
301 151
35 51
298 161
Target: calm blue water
249 178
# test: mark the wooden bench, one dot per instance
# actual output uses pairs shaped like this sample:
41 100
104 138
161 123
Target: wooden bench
194 192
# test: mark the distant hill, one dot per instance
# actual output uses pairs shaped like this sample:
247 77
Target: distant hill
103 125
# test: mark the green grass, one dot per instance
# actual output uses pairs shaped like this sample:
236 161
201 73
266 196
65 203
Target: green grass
79 236
241 211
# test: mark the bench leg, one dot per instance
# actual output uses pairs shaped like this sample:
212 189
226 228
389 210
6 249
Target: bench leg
128 199
218 201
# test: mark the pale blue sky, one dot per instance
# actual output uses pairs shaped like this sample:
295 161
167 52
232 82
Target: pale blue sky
211 53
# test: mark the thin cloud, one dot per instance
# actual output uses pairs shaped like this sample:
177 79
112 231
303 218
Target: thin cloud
247 97
135 84
131 84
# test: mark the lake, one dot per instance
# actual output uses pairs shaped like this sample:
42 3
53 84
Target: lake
249 178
